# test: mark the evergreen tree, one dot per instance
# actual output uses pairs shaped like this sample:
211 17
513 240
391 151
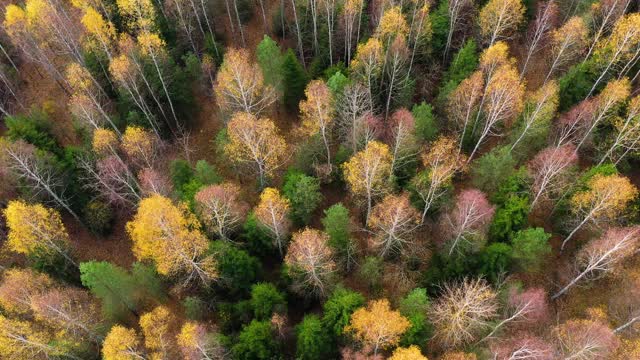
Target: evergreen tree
294 80
314 342
303 192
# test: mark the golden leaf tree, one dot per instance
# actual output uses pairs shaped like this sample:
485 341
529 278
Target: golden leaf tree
196 343
367 173
318 113
156 328
393 222
500 18
170 235
377 325
568 43
257 143
240 85
367 65
409 353
605 199
100 32
140 146
310 263
441 162
272 212
122 344
104 142
221 209
23 340
36 229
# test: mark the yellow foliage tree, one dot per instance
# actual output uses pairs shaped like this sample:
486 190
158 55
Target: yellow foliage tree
273 213
196 343
377 325
392 24
410 353
140 146
310 262
605 198
240 85
104 142
122 344
170 235
500 18
367 173
318 113
35 228
156 326
256 142
367 65
137 14
21 340
101 33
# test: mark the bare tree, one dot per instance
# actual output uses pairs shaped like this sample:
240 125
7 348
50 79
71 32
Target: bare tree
393 222
353 107
546 18
468 221
41 177
584 340
549 169
463 311
603 255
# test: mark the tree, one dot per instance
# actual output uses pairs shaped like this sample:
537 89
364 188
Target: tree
426 128
265 300
621 50
441 163
604 15
351 13
353 110
615 93
313 342
36 230
256 142
236 268
567 44
584 339
463 103
256 341
122 343
392 223
170 236
337 225
318 113
468 221
550 170
463 311
272 212
22 340
112 180
294 78
367 65
310 263
71 311
40 173
528 306
338 308
396 59
410 353
530 247
239 87
540 29
493 169
221 209
156 328
304 195
84 88
402 139
20 287
415 306
605 198
140 146
377 325
271 61
196 343
539 109
367 173
501 103
458 355
627 133
120 292
522 346
603 255
498 19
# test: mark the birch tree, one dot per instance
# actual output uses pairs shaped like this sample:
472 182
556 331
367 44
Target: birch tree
352 112
567 44
221 208
402 139
498 19
468 221
550 170
603 255
540 30
627 134
538 111
256 143
273 214
392 223
318 114
605 199
310 263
